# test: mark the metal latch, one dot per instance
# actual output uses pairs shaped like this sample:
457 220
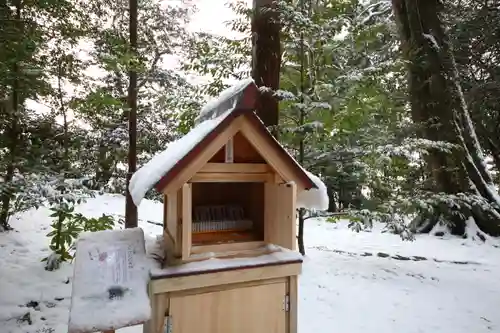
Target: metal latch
286 303
168 324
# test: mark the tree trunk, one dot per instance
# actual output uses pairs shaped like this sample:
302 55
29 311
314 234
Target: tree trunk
130 207
6 195
305 83
332 203
438 105
62 110
300 236
104 166
13 131
266 59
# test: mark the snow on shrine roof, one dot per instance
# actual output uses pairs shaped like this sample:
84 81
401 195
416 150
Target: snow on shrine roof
215 117
151 173
238 97
227 100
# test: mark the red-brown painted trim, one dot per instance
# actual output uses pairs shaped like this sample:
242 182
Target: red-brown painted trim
249 99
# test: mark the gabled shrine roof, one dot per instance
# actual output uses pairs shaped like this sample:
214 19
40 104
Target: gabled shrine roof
214 118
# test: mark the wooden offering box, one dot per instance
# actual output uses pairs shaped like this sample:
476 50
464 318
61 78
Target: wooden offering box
229 187
217 218
230 194
244 295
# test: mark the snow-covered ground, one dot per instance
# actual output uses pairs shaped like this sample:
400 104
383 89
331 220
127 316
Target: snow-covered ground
351 283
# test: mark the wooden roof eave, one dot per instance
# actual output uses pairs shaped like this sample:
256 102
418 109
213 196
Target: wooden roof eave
300 175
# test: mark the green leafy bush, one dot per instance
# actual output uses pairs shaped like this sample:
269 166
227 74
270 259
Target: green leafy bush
66 227
105 222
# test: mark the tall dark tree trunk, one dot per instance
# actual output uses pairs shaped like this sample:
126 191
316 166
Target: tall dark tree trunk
130 207
13 130
305 83
266 59
332 203
437 103
62 109
105 165
300 235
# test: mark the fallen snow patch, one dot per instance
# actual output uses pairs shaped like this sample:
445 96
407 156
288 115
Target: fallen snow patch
335 289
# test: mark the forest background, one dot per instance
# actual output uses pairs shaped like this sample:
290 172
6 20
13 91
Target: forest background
395 104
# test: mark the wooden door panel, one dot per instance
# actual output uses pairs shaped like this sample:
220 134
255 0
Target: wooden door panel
240 310
279 215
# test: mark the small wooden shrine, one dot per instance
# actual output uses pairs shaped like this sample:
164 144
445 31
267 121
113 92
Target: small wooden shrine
230 192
